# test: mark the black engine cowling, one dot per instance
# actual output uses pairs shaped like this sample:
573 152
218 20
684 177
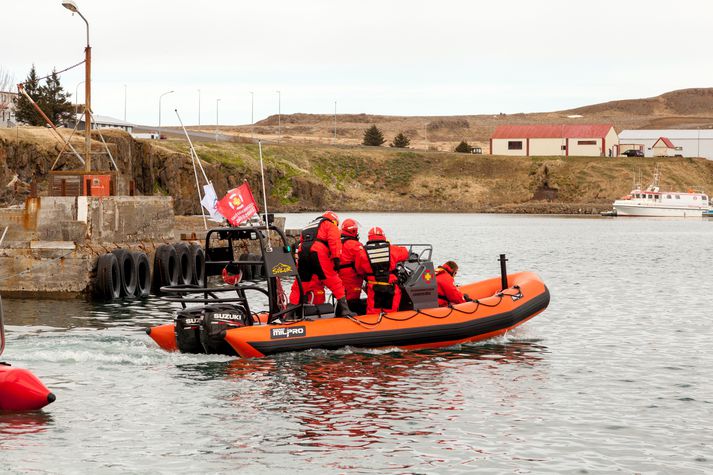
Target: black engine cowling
187 328
217 319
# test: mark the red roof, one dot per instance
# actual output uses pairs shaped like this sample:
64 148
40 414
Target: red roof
666 142
596 131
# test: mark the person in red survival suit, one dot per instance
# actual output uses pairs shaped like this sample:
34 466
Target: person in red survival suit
352 281
378 264
318 255
448 293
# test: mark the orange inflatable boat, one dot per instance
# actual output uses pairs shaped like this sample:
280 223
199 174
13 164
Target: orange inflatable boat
227 325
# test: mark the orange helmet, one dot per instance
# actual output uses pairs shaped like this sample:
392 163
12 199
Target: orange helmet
332 216
377 234
350 228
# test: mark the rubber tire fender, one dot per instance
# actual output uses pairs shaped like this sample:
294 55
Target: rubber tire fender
142 269
185 264
197 255
165 268
127 270
108 283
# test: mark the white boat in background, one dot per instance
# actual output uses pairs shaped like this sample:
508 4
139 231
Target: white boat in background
654 202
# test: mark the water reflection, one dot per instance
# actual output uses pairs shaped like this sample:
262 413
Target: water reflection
14 425
355 399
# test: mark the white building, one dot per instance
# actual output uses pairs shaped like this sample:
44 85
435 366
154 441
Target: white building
105 122
552 140
686 142
7 108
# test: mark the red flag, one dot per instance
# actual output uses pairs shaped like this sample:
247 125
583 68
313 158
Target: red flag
238 205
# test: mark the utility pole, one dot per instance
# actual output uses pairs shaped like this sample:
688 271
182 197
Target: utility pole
252 120
72 7
199 107
279 117
335 122
124 102
217 102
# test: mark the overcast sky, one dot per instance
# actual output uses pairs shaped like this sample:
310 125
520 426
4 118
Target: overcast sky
380 57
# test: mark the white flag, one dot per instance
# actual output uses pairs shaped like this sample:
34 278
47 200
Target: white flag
210 201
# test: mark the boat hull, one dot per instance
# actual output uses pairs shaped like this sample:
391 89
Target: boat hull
492 315
630 209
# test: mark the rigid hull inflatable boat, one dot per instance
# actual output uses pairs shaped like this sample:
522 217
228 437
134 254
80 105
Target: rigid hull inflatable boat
226 324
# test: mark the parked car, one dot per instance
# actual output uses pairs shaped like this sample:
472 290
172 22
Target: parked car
634 153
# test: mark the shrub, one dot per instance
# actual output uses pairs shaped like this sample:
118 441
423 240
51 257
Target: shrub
373 137
400 141
463 147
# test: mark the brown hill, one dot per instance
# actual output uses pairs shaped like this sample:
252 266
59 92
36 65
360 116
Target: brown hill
686 108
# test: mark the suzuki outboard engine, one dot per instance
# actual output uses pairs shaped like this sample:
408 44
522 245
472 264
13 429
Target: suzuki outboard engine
187 328
217 319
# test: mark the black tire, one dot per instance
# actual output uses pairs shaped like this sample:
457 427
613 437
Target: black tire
108 283
198 259
185 264
127 272
246 269
142 270
165 268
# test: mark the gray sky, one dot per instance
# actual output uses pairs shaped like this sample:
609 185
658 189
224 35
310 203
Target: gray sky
382 57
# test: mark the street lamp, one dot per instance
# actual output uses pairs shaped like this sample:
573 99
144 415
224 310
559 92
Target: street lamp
72 7
159 112
279 117
217 101
252 120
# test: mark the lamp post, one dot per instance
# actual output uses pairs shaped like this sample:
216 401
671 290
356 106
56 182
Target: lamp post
72 7
252 119
217 102
279 117
159 112
76 100
199 107
124 102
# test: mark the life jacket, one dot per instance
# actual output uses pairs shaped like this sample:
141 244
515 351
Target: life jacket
307 261
379 255
348 264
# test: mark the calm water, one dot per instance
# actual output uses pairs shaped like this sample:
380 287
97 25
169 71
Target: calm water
615 376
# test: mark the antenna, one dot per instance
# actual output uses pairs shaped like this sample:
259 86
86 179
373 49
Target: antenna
268 246
194 159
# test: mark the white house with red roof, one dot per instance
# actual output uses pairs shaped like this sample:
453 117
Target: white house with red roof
663 147
598 140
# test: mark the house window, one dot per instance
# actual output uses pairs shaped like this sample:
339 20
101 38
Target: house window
678 197
668 197
705 198
563 148
586 142
515 145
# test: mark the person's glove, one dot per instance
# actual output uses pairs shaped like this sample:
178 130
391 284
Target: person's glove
467 298
336 263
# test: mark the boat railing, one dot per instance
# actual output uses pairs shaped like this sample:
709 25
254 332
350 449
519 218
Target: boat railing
419 252
186 294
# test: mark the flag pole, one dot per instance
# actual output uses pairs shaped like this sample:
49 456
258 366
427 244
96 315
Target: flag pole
268 247
194 158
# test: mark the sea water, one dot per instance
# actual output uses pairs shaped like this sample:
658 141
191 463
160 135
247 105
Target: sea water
616 375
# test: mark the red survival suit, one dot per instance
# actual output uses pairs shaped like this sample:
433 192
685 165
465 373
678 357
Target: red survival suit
447 290
320 245
351 247
378 264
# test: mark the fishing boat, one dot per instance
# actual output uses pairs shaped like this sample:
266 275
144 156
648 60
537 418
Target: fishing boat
220 318
654 202
20 390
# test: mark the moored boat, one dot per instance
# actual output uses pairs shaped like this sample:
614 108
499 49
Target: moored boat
656 203
223 322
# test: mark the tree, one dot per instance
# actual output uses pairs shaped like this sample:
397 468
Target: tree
463 147
24 111
53 100
400 141
50 97
373 137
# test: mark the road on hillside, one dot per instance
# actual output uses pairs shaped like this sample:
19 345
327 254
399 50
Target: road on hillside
176 133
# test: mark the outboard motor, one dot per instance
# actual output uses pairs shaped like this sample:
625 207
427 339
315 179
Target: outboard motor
217 319
418 282
187 328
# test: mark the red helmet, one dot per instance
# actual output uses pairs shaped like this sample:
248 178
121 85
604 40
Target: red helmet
350 227
376 234
332 216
